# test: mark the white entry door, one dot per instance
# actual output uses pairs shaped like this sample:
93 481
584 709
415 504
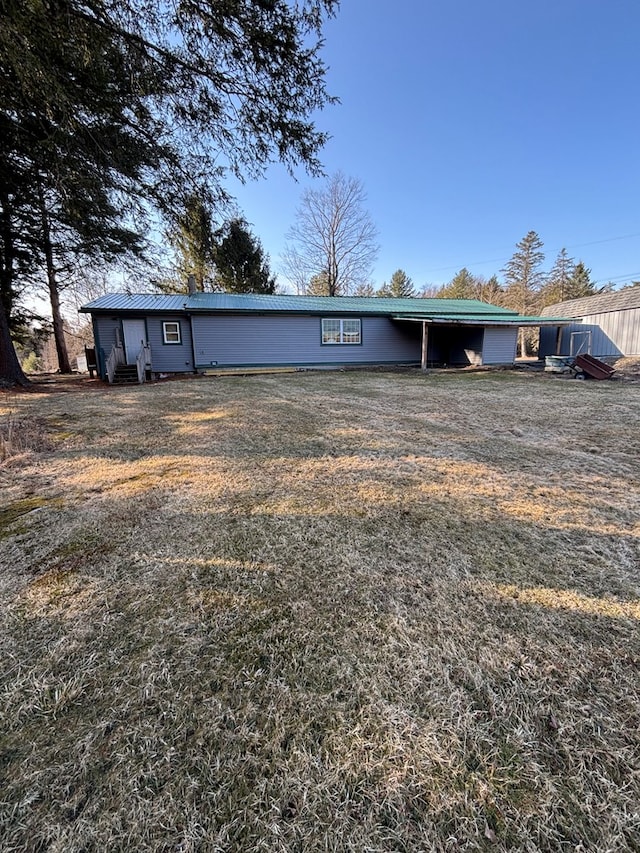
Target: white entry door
135 334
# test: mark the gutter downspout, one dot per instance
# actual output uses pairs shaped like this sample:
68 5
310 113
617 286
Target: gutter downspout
189 317
193 341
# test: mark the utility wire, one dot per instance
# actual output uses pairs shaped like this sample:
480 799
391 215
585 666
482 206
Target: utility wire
606 240
572 246
618 277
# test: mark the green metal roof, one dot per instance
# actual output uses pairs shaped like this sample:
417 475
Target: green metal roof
486 319
337 304
261 303
141 303
470 311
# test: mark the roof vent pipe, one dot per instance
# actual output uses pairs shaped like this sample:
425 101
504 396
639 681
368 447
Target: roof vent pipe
191 284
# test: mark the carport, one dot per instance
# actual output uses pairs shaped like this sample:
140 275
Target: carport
467 340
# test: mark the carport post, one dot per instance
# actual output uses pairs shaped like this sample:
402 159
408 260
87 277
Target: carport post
425 346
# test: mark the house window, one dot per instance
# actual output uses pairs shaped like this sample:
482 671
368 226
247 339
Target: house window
341 331
171 333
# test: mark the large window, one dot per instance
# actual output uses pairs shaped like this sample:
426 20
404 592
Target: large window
336 331
171 332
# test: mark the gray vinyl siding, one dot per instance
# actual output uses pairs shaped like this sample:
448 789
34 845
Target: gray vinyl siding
105 331
499 346
104 334
613 334
620 332
165 358
170 358
601 345
225 340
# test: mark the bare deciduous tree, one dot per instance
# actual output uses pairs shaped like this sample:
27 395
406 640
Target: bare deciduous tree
333 237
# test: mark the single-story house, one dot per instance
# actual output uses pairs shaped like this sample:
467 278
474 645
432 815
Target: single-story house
199 332
606 325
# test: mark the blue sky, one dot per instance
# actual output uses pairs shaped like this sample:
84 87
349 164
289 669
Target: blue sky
470 124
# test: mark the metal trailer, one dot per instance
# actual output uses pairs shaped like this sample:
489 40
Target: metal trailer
586 366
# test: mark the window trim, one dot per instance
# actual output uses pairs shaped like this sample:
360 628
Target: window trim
175 323
341 342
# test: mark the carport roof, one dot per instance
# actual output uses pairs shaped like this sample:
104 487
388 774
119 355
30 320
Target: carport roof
484 320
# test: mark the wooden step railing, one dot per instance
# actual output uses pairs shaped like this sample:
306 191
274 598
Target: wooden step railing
115 357
143 362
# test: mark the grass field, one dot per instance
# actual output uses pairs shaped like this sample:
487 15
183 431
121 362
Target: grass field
321 612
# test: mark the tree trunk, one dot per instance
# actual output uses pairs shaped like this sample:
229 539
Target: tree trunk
332 269
54 293
7 253
523 342
10 370
523 310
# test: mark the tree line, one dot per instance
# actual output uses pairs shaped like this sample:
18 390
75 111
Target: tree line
525 286
332 248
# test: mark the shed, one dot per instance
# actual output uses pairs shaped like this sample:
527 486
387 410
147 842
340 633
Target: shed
605 325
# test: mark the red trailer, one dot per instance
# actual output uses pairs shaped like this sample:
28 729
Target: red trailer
586 366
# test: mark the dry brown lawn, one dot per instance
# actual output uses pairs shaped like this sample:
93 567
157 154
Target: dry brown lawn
321 612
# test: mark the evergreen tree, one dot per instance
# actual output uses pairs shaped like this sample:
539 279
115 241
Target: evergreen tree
366 290
10 371
489 290
400 286
124 102
567 280
557 286
523 280
241 265
318 285
462 286
66 116
192 236
580 283
465 285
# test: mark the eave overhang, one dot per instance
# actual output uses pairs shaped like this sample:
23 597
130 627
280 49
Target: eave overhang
511 322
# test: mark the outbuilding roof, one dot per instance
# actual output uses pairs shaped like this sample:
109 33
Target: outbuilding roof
602 303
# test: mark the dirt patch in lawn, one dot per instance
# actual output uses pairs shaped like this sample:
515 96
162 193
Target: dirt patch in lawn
628 366
323 611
